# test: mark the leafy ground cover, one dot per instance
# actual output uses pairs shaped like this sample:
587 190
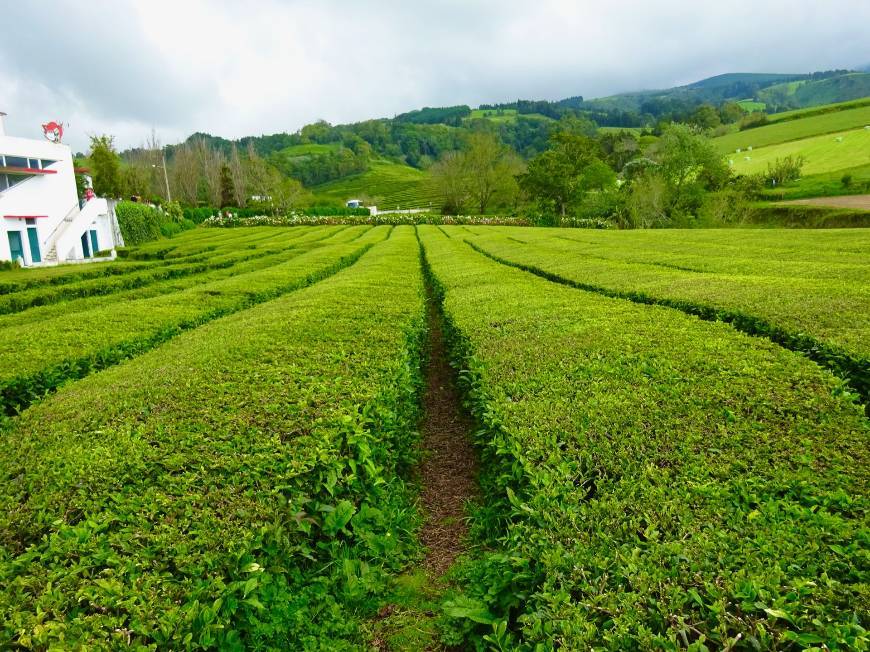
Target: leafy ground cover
652 481
238 488
815 305
218 460
74 344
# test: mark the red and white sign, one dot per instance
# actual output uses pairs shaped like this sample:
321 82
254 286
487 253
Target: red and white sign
53 131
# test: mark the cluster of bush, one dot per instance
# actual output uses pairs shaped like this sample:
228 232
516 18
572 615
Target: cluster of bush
142 222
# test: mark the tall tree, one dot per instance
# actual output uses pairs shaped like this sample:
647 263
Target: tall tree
237 173
186 174
448 175
491 169
228 192
210 163
106 167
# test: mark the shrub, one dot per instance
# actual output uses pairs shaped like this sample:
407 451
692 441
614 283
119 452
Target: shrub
785 169
753 120
141 222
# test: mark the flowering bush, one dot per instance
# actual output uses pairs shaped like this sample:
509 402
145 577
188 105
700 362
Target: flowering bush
298 219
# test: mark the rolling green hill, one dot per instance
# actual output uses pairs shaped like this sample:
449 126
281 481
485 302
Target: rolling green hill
730 86
797 129
386 184
776 92
808 93
825 153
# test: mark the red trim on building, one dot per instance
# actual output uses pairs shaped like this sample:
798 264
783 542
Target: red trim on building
23 217
24 171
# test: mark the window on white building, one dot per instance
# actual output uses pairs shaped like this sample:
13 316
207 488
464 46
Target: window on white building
16 161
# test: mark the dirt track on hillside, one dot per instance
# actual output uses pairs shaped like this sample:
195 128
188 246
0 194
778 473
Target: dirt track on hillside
860 202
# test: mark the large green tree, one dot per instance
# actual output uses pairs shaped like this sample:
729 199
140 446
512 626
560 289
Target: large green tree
106 167
563 175
491 169
672 186
482 175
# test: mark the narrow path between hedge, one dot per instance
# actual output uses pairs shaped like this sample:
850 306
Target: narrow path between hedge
447 477
448 473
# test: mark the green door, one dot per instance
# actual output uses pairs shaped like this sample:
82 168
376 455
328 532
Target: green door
16 248
94 246
33 237
86 247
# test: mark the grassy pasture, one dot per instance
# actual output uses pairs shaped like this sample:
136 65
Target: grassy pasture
496 115
309 149
826 153
751 105
824 184
788 130
818 110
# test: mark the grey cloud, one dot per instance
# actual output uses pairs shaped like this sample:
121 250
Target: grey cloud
236 68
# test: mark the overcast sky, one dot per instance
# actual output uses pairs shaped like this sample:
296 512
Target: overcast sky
251 67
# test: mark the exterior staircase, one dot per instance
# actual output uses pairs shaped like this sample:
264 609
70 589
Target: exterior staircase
50 257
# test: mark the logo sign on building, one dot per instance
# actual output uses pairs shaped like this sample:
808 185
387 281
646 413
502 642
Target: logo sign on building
53 131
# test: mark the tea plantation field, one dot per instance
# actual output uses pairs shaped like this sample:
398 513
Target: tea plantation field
211 442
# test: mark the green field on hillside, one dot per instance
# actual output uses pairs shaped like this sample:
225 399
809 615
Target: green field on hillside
386 184
818 110
308 149
494 114
823 154
751 105
504 115
788 130
811 93
668 430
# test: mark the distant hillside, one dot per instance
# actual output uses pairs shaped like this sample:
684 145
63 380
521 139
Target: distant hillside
809 93
778 92
385 159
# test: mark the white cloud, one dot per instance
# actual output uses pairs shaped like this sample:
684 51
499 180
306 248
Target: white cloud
233 68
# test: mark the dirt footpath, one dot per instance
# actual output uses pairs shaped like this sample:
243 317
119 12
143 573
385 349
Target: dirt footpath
859 202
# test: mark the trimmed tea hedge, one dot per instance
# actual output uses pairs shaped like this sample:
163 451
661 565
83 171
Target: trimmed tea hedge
73 344
238 488
826 318
652 481
218 256
270 256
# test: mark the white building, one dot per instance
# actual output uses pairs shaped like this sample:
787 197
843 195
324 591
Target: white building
42 220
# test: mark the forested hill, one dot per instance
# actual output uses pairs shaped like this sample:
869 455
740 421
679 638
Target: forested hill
421 135
373 158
